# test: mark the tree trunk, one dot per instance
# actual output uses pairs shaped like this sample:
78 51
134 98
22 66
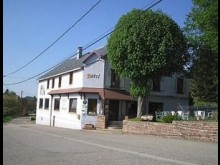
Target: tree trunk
141 109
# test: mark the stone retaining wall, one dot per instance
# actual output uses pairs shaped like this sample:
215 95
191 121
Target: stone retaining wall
193 130
101 122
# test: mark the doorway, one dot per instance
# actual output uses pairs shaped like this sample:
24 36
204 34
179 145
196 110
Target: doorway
113 110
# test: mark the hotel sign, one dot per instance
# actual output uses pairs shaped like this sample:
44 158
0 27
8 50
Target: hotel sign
93 76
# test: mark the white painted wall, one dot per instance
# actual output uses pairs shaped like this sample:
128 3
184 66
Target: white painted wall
93 75
169 103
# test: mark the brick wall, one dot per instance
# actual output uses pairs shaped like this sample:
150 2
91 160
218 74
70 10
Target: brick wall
194 130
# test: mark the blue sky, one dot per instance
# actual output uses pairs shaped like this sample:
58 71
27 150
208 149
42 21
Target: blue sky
30 26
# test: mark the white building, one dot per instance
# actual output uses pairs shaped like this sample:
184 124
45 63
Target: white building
74 93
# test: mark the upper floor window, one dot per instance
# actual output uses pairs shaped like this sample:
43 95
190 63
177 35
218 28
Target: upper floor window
48 83
156 84
73 105
53 81
57 104
92 106
60 79
41 103
46 105
71 78
179 89
115 80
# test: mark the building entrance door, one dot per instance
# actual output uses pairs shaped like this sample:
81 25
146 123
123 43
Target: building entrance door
113 110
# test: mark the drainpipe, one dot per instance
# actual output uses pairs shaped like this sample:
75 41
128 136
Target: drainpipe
51 109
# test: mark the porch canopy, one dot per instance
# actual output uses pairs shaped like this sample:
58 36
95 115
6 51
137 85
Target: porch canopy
112 94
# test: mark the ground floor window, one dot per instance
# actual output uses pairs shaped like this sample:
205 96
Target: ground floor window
46 105
92 106
73 105
57 104
155 106
41 103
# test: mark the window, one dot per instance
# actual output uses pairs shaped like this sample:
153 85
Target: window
56 104
73 105
46 105
60 79
92 106
115 80
180 85
156 84
53 82
41 103
71 78
48 83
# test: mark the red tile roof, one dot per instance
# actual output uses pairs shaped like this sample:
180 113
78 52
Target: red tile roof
112 94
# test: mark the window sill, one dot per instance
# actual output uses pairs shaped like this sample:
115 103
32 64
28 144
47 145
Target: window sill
92 114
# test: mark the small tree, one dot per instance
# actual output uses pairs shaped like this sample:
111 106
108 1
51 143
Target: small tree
146 45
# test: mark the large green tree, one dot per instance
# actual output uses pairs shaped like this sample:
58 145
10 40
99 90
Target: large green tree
146 45
201 30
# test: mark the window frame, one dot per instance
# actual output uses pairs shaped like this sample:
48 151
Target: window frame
71 78
115 79
41 103
45 103
156 85
55 107
72 110
93 112
48 83
180 85
60 81
53 82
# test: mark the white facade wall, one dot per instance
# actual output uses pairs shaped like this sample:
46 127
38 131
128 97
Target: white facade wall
97 74
93 74
42 115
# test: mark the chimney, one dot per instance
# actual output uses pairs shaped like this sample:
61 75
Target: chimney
79 53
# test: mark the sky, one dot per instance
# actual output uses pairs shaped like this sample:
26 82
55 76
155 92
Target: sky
30 26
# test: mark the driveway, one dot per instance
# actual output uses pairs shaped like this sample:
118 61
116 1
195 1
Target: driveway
25 143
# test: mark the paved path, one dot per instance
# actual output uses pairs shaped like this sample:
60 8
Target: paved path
25 143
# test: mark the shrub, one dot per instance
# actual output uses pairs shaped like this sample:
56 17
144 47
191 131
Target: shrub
168 118
215 115
7 118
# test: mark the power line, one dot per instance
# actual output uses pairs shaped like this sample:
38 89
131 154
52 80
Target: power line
76 53
55 40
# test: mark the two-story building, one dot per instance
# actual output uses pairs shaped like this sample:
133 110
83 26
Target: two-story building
74 93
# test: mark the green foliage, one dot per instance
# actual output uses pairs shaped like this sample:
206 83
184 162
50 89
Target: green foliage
201 30
145 45
215 115
168 118
7 119
202 23
11 104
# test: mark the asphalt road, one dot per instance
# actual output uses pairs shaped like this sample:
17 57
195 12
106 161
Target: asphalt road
25 143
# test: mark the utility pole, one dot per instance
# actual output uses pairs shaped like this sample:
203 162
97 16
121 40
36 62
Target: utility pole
21 93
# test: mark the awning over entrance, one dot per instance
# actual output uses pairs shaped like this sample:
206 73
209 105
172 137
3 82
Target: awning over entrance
111 94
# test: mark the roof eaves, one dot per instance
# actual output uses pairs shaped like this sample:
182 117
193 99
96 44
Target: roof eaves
76 69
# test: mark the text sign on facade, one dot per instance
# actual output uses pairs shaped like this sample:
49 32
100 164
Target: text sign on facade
93 76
